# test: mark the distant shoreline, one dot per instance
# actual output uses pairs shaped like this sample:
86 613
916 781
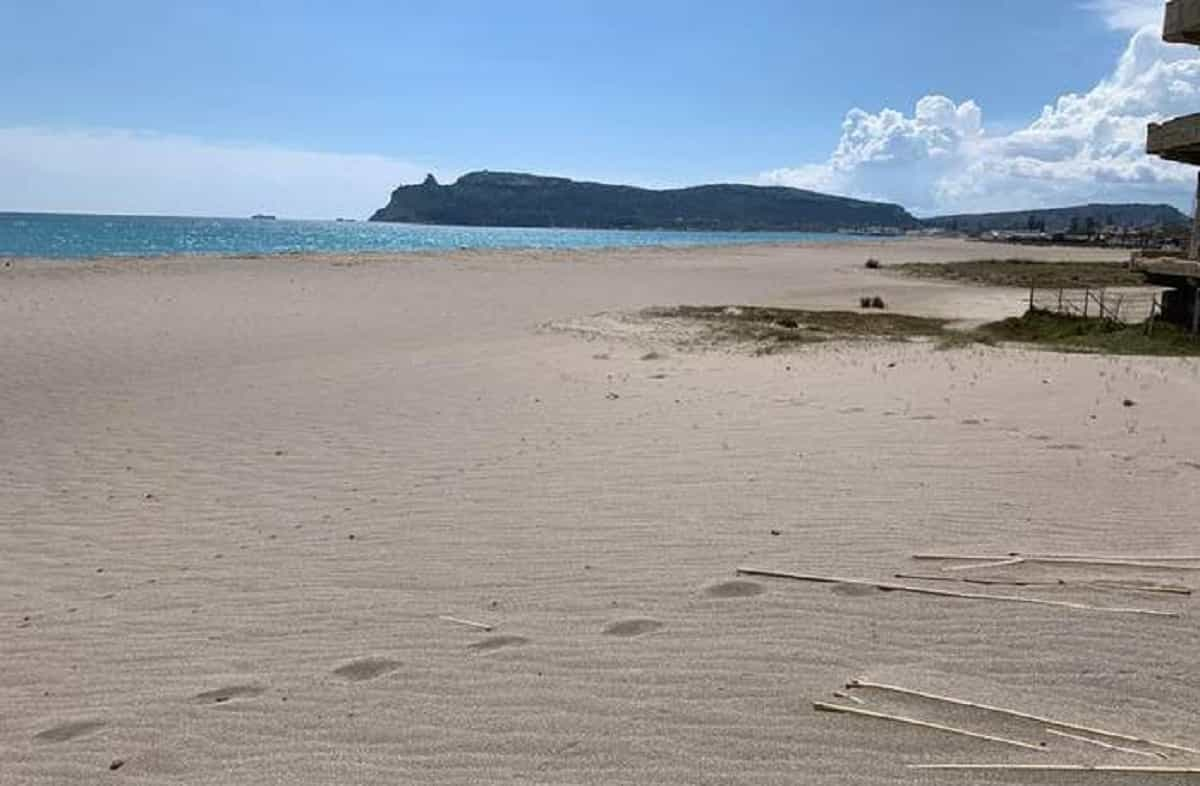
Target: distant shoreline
429 255
92 237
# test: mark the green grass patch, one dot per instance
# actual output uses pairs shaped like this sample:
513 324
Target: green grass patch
1023 272
1067 333
771 328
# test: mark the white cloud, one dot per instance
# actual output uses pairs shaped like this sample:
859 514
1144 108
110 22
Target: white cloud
120 171
1084 147
1128 14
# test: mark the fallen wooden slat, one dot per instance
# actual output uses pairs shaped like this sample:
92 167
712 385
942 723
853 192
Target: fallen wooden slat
1102 744
469 623
823 707
963 557
1156 563
1135 557
1112 735
1061 768
985 582
1000 563
883 585
1172 589
1040 555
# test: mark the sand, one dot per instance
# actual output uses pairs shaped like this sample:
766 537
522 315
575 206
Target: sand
239 496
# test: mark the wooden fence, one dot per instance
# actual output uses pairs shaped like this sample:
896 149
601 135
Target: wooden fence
1128 306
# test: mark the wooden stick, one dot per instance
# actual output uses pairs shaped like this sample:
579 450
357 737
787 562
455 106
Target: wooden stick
469 623
1061 768
1112 563
1173 589
1157 563
1086 559
980 566
837 694
861 683
1104 745
823 707
1137 557
988 582
948 594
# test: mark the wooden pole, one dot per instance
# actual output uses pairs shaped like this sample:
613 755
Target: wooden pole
1003 563
861 683
1060 296
1157 563
1196 312
1087 295
1061 768
823 707
1171 589
889 587
1105 745
1194 247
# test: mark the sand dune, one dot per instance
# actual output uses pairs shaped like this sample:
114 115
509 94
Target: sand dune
240 495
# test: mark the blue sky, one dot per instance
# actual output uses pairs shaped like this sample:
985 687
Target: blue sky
222 107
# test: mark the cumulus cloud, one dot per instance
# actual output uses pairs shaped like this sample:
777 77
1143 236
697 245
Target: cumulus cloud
1084 147
121 171
1128 14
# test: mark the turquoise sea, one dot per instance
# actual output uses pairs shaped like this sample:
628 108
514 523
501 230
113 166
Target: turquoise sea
70 236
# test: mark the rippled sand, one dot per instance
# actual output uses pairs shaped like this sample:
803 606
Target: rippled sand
239 497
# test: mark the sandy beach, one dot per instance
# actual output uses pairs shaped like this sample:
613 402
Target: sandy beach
239 497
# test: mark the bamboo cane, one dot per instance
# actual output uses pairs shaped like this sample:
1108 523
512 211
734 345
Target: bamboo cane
861 683
1170 589
823 707
1105 745
1155 563
1004 563
1061 768
948 594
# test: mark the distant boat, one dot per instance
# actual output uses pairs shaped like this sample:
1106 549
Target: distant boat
345 220
262 217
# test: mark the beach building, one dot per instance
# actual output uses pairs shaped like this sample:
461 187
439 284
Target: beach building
1179 140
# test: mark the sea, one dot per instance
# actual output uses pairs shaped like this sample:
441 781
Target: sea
69 236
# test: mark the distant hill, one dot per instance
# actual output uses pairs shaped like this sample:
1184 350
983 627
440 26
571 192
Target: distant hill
521 200
1063 219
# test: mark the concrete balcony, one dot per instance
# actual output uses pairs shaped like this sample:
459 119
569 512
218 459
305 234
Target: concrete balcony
1176 140
1182 22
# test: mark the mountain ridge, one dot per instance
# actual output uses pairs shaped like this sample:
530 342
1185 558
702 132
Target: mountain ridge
519 199
1061 219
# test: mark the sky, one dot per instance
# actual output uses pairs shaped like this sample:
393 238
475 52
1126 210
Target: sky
318 110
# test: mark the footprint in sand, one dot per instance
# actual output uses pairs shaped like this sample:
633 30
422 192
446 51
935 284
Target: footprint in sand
69 731
494 643
1065 446
222 695
366 669
630 628
735 589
